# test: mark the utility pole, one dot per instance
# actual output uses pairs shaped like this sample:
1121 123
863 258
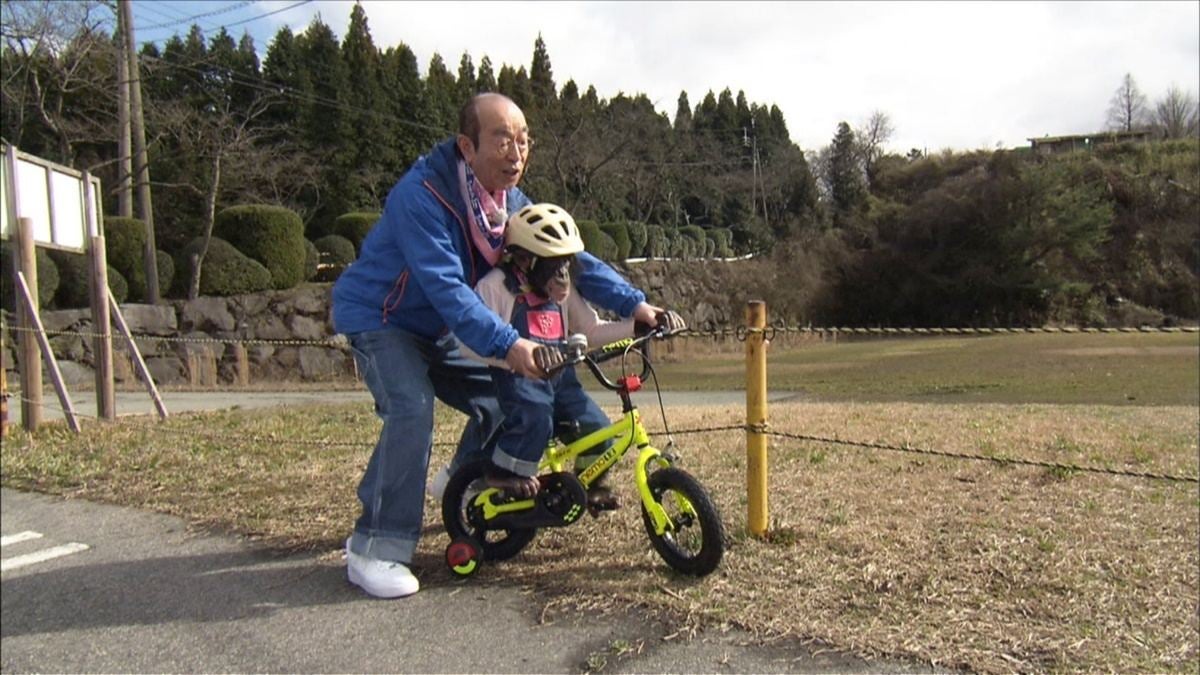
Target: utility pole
142 163
124 140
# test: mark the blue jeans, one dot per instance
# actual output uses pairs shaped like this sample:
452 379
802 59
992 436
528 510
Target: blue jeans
532 409
404 373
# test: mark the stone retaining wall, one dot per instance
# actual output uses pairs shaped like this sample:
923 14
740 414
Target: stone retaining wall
179 336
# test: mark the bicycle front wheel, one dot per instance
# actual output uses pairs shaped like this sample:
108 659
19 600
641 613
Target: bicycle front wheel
694 540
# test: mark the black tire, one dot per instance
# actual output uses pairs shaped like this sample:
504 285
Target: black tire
495 545
696 543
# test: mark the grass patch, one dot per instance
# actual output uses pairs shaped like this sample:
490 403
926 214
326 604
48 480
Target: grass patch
1110 369
977 565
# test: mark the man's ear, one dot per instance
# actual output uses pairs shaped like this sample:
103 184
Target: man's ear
466 147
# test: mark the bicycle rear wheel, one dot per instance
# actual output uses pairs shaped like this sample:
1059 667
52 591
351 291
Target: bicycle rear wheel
694 541
461 519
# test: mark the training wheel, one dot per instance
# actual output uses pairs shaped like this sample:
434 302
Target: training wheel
463 556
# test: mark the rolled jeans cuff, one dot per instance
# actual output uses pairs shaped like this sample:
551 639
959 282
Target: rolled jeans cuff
383 547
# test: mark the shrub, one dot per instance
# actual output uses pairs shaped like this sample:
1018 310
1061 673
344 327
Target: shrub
271 235
637 238
312 260
620 236
722 240
225 270
657 242
118 285
73 273
47 273
166 270
124 245
596 241
337 252
354 226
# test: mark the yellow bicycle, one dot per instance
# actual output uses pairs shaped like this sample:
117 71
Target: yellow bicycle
683 524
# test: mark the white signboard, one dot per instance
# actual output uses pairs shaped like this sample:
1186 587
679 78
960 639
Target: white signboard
52 196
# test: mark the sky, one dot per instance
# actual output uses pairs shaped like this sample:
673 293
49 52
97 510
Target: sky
949 75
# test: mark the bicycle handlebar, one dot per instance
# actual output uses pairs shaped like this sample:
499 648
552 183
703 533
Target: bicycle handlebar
610 351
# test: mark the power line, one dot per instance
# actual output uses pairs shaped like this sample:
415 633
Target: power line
215 12
261 16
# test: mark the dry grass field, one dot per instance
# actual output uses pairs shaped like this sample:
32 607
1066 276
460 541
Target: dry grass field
983 565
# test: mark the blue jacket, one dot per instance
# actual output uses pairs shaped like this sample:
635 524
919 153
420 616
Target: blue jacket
417 269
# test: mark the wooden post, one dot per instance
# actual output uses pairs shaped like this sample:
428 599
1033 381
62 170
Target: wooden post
3 391
193 368
756 417
243 364
39 332
31 362
102 353
138 363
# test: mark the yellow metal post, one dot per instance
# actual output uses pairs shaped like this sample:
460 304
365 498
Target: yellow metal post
756 417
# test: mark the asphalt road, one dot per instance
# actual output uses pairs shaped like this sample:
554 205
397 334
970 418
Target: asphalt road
96 588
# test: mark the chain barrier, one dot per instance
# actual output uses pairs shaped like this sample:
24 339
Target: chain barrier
336 342
738 333
762 428
765 429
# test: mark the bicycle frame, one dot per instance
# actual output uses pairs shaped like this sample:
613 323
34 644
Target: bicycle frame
624 433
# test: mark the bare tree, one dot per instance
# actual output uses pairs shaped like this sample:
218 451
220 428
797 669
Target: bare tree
1127 109
226 139
870 137
59 72
1176 114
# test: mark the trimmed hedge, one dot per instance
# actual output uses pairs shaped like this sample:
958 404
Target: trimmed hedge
722 240
355 226
658 245
638 236
337 252
596 241
47 273
620 236
225 270
166 270
124 247
312 260
271 235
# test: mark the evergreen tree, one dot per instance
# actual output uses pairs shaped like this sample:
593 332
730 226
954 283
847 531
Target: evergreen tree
683 114
466 78
845 178
541 77
408 132
485 81
364 176
441 95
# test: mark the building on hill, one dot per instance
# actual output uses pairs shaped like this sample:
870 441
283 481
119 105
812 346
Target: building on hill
1051 145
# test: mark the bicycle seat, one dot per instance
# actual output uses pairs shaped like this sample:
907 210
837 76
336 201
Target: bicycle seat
567 429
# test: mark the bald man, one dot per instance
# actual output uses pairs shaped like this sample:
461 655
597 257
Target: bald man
409 298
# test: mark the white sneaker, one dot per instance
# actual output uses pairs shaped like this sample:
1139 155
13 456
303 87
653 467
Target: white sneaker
380 578
437 486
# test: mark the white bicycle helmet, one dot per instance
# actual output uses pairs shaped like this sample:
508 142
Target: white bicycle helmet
544 230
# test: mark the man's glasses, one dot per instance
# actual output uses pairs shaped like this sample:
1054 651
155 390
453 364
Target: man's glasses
504 145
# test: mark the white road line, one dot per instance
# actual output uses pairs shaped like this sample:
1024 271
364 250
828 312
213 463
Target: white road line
19 537
41 556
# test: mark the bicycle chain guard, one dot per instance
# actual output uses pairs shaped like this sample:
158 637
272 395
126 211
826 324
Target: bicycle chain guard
560 501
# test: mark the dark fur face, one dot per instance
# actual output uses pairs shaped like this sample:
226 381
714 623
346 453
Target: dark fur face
551 277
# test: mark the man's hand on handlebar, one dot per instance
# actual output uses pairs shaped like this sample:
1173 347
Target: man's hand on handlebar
520 358
548 358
